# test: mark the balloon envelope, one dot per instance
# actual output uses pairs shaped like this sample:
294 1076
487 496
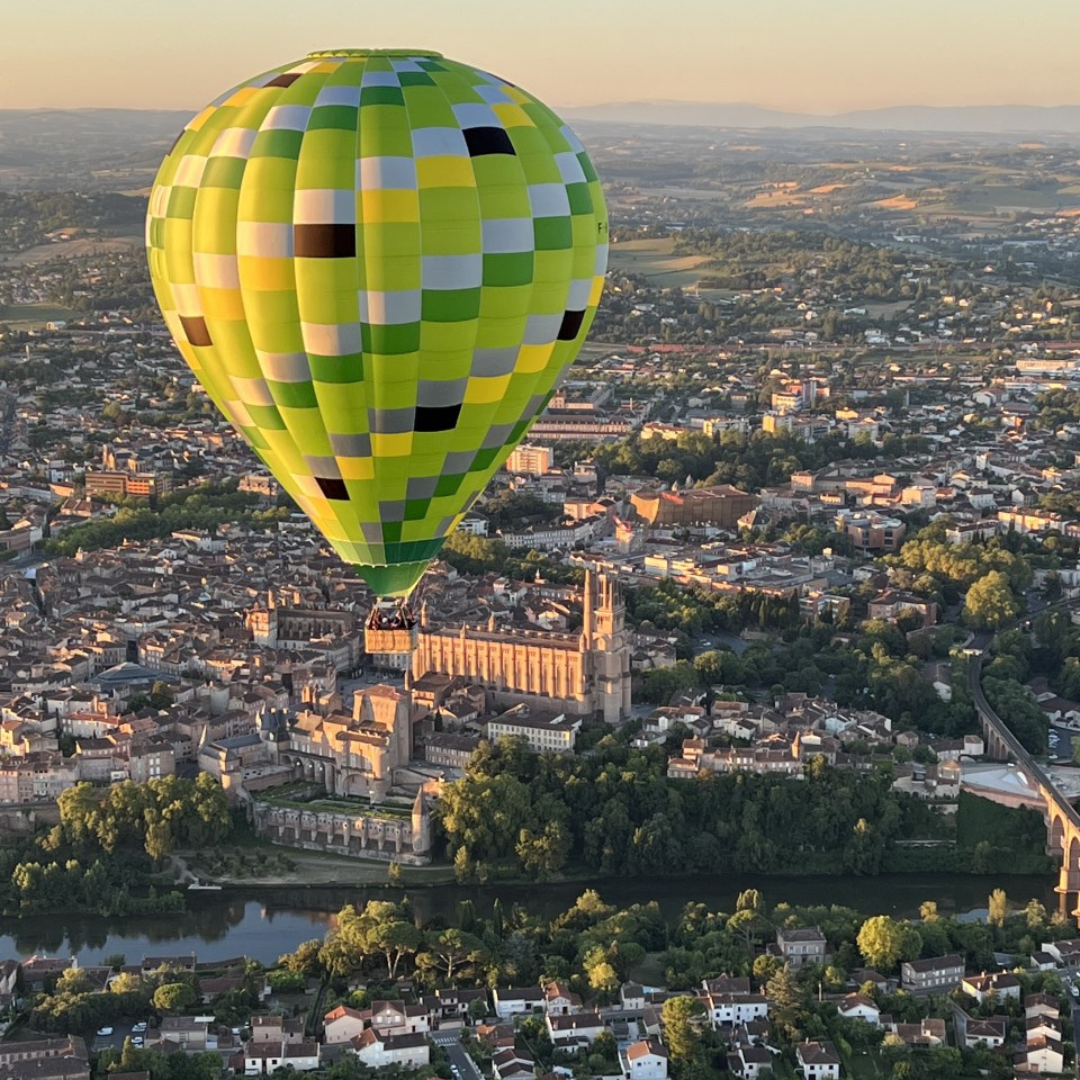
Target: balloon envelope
378 263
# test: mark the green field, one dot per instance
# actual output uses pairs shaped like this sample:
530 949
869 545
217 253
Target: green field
657 261
32 316
291 797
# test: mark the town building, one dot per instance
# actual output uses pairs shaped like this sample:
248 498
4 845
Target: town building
582 674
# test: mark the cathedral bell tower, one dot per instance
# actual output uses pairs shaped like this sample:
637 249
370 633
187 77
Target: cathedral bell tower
605 625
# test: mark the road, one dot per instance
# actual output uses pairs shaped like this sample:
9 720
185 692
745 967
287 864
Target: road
464 1066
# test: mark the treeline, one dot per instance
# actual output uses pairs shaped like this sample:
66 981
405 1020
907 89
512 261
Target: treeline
618 813
767 258
750 462
880 670
163 814
102 855
26 216
932 567
204 507
593 947
116 885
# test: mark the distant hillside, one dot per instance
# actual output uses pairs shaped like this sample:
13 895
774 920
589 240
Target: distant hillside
120 149
993 119
51 148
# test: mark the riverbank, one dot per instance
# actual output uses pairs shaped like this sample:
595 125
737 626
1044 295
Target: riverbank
263 922
306 868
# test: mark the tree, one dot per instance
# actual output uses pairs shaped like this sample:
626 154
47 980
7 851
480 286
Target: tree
748 923
173 997
990 603
681 1034
883 941
159 840
1035 914
393 874
998 908
750 900
544 854
600 971
788 1001
454 948
944 1063
305 959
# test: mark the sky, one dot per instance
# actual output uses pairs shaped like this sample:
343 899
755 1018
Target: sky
816 56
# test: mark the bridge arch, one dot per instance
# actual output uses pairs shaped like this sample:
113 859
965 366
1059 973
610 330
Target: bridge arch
1055 834
1071 866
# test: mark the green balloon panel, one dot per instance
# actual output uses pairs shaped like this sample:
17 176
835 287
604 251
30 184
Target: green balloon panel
379 264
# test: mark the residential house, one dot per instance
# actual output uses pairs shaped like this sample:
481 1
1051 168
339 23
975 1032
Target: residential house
274 1029
56 1069
408 1051
801 945
749 1062
818 1060
859 1007
892 605
859 977
264 1056
560 1000
1003 985
9 981
13 1055
496 1036
646 1059
989 1033
730 1010
514 1001
1065 953
925 1035
453 1003
342 1025
188 1033
41 970
1045 1056
1042 1027
512 1064
934 973
575 1029
397 1018
185 962
1041 1005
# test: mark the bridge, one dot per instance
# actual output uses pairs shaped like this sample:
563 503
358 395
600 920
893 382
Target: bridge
1062 818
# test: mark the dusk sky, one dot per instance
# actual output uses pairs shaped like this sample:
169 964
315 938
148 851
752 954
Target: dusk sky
824 56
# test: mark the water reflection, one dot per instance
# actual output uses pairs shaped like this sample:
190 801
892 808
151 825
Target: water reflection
265 923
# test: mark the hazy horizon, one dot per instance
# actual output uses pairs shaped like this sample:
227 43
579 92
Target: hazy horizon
832 57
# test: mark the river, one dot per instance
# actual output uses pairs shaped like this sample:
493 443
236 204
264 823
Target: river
264 923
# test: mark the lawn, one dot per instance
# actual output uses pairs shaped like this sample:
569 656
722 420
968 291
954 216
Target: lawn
33 316
866 1065
291 797
657 261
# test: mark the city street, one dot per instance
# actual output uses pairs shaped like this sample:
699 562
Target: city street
463 1066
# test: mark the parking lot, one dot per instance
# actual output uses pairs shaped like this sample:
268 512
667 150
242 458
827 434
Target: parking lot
116 1040
1061 743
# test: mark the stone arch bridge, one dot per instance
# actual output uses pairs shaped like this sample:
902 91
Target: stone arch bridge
1062 818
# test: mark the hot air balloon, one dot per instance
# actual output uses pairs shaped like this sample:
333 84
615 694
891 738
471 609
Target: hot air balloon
378 263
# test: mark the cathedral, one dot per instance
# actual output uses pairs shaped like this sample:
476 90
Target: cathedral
584 674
